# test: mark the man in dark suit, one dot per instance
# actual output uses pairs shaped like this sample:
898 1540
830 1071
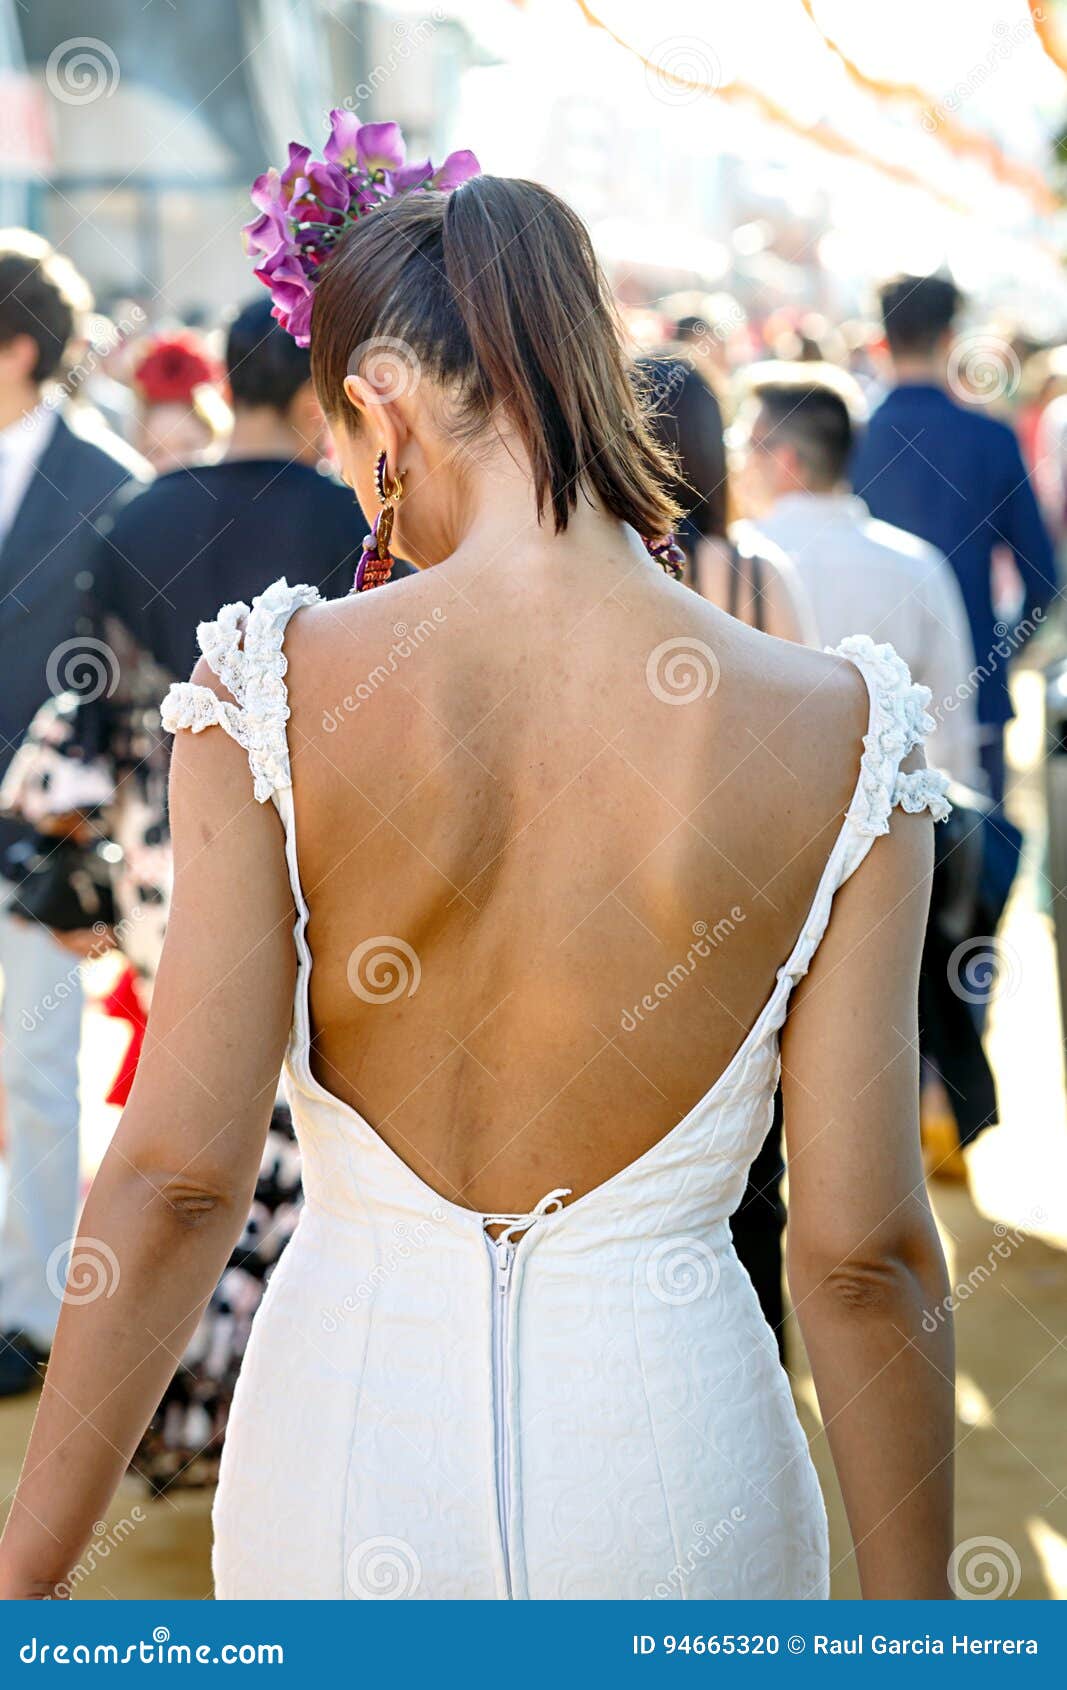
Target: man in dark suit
954 475
58 478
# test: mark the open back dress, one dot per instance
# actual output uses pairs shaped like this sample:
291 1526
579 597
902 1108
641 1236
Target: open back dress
583 1401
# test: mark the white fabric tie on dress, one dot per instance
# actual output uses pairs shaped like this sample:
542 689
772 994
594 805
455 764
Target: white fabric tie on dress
549 1205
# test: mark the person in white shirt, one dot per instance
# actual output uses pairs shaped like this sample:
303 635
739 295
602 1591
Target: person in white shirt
58 487
795 434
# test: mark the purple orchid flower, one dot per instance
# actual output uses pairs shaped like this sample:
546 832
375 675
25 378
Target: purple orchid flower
371 147
291 292
410 176
458 168
305 207
322 195
380 146
299 159
267 234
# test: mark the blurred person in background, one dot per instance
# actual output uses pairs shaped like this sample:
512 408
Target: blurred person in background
727 563
1046 431
859 574
953 475
60 473
198 538
864 574
181 416
705 329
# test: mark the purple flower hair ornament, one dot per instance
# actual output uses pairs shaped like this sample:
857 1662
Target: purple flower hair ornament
306 208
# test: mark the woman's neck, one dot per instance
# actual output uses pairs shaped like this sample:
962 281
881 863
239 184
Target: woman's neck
491 519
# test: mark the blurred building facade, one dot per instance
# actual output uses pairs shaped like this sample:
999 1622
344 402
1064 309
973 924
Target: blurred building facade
133 146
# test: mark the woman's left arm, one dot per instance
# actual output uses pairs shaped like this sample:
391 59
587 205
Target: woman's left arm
172 1193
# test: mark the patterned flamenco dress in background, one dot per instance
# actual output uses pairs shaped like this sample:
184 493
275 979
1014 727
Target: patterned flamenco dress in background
183 1444
106 759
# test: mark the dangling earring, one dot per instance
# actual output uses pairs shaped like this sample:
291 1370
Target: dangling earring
376 565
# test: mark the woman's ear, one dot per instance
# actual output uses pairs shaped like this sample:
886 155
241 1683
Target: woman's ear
381 416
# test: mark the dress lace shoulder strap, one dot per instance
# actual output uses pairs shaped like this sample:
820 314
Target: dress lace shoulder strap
245 650
898 723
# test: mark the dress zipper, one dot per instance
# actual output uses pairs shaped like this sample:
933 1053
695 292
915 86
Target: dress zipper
502 1252
502 1256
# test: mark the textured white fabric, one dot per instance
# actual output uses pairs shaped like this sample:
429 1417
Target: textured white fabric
631 1433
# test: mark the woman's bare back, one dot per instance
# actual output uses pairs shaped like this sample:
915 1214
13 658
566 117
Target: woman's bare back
558 825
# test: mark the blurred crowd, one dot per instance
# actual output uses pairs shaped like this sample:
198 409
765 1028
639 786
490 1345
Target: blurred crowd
898 478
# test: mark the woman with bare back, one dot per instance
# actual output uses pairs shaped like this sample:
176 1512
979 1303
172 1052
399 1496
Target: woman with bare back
532 873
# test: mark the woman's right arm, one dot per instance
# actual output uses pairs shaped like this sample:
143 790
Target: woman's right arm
866 1270
173 1191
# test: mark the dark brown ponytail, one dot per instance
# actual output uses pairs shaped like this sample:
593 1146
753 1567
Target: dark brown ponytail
496 290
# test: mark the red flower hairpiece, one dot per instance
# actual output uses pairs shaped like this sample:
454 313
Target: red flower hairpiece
305 208
172 368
